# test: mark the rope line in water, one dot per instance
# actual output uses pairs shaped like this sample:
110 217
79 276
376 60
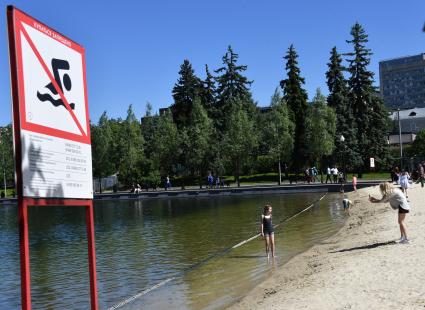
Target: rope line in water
202 262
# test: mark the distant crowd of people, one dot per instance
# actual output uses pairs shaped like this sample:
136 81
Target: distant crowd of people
403 178
333 175
215 182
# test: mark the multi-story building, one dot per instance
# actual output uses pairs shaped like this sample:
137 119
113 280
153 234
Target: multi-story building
403 82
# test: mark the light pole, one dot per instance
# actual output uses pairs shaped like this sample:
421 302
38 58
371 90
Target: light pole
342 139
399 140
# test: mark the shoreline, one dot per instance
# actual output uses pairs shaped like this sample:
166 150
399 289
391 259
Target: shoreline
259 189
360 267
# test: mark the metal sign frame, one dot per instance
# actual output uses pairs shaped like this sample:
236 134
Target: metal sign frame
25 202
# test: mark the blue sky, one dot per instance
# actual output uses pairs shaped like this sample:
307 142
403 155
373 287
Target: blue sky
134 49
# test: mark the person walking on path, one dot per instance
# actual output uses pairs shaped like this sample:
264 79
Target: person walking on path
354 183
267 230
328 175
335 174
404 181
398 202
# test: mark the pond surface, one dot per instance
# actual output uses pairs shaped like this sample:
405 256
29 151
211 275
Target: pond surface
185 242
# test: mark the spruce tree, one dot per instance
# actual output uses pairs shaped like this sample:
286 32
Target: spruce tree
184 92
208 93
232 86
296 98
368 110
148 125
338 99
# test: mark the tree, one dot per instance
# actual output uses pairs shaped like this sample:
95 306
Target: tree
208 93
232 87
320 129
367 107
184 92
165 148
278 131
418 146
338 99
101 136
240 139
197 140
148 126
132 149
6 155
296 99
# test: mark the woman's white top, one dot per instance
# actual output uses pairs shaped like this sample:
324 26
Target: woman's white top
396 199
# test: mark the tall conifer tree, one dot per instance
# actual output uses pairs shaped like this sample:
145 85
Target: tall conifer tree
368 110
208 93
232 86
345 125
187 87
296 98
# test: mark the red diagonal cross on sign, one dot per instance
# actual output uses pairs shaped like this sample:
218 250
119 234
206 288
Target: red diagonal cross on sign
52 79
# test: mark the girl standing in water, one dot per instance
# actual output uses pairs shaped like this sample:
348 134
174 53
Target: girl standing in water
267 230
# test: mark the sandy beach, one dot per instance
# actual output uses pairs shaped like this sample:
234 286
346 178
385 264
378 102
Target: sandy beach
361 267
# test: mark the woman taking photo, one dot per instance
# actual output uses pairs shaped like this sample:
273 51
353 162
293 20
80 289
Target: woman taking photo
397 201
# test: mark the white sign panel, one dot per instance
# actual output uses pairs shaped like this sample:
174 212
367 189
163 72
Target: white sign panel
372 162
53 112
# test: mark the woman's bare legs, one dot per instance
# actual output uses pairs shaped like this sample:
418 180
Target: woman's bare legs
401 217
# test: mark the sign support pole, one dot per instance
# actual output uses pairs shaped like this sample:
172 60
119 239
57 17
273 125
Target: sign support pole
24 255
92 255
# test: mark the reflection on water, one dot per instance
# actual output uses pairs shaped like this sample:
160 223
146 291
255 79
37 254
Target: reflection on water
141 243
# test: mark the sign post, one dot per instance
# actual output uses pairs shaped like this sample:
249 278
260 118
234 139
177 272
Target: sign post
51 130
372 162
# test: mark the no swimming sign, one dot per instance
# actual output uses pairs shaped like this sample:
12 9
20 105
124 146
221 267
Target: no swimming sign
51 119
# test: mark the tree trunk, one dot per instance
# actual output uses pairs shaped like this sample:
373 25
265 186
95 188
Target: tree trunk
237 174
280 173
100 185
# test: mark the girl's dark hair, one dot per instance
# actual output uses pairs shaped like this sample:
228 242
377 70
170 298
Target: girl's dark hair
266 208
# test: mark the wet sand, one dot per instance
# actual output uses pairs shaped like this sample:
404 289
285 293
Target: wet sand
362 267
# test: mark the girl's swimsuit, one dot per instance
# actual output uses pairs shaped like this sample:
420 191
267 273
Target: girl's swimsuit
267 225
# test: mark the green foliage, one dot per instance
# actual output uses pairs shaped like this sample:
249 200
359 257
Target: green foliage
132 149
418 146
278 130
196 139
232 86
240 139
165 148
368 110
187 87
101 136
338 99
148 126
296 98
6 155
320 129
208 93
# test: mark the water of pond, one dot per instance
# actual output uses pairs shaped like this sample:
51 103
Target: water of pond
142 243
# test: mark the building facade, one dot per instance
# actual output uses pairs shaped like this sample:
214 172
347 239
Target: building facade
402 82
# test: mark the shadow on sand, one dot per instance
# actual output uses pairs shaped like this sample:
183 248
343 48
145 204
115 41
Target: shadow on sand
366 247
